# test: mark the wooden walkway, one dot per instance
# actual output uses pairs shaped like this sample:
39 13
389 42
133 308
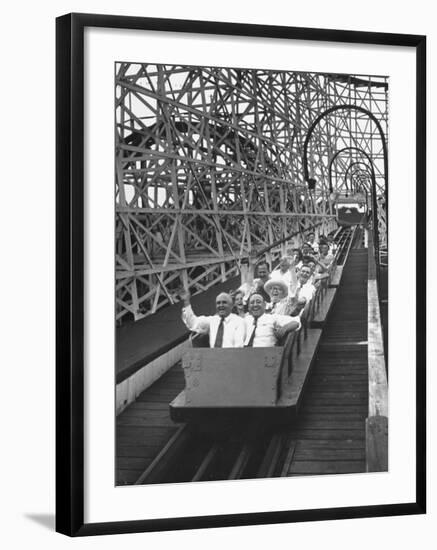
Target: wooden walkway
145 426
329 436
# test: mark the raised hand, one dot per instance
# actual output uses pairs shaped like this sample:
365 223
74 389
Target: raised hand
185 296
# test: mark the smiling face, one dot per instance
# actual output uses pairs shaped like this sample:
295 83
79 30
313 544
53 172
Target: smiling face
257 305
223 304
277 293
323 248
262 272
304 274
238 299
312 266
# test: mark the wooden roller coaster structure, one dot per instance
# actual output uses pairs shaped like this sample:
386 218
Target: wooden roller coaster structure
209 170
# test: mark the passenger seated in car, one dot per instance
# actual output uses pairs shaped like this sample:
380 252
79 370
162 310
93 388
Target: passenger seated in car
262 275
225 329
281 301
325 258
304 287
239 307
319 270
313 242
265 329
285 270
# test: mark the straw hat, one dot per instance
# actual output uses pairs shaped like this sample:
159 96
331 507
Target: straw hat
276 282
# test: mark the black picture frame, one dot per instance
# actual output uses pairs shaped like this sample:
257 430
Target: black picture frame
70 272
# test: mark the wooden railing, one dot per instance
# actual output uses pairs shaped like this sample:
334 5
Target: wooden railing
377 420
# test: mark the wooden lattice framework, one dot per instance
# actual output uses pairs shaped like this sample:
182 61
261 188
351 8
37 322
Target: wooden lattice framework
209 170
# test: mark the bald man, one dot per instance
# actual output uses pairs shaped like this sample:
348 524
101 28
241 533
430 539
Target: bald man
225 329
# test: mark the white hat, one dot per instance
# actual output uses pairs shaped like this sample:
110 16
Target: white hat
276 282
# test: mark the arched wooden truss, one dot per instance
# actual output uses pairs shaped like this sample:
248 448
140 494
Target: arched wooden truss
209 170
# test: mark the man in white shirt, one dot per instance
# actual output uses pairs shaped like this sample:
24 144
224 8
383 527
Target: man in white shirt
265 329
225 329
284 271
304 287
262 275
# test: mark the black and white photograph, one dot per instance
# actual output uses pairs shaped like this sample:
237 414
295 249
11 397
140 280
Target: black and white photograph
216 286
251 273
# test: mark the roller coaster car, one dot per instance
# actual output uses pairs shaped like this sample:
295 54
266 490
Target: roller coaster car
267 382
350 213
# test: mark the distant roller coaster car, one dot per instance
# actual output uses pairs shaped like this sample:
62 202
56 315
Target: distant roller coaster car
351 211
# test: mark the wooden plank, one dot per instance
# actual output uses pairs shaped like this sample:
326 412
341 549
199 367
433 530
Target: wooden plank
146 422
378 390
144 406
143 436
341 369
332 424
319 399
327 376
148 398
137 451
309 408
340 386
328 467
377 444
332 416
307 444
133 463
341 395
330 454
329 434
144 431
146 413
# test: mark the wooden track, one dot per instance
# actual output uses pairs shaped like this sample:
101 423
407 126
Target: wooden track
329 436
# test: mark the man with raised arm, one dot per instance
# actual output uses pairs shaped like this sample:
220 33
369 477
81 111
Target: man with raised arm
265 329
285 271
225 329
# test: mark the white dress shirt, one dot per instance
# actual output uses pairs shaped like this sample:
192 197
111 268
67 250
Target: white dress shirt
265 328
306 291
234 329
